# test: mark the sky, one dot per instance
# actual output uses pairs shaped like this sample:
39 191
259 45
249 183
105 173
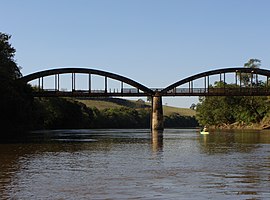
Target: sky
154 42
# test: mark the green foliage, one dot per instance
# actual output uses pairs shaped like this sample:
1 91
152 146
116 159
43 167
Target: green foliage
16 100
175 120
215 110
59 113
55 113
124 118
218 111
246 78
228 110
253 63
8 67
193 106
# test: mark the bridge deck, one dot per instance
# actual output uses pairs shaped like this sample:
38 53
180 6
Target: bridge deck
176 92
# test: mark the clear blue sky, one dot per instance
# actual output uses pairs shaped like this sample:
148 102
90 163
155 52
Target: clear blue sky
151 41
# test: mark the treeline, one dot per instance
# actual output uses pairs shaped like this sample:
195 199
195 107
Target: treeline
235 111
55 113
16 100
225 111
176 120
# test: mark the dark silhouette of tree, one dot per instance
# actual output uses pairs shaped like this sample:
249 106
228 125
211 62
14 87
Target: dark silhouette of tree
15 101
8 66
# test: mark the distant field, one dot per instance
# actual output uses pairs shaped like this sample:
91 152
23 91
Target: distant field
168 110
103 103
99 104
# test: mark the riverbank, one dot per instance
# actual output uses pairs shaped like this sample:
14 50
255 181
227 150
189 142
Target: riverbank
242 126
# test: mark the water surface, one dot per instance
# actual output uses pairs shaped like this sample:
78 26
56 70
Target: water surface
130 164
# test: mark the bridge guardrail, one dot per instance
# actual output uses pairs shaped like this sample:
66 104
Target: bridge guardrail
218 91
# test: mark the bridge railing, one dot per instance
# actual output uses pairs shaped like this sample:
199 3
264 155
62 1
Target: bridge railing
86 93
124 90
249 91
243 91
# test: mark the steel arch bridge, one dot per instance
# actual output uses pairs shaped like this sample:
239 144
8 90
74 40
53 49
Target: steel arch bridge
128 87
255 84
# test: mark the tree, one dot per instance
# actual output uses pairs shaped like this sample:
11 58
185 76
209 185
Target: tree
247 78
8 66
193 106
16 99
253 63
215 111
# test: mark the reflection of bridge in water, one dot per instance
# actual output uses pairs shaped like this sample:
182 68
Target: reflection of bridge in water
48 84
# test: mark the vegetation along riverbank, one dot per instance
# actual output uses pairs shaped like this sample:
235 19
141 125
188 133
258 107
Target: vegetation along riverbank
236 112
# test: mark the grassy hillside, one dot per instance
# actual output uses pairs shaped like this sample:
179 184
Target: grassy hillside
168 110
99 104
103 103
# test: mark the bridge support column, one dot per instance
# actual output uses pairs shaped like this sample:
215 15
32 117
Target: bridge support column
157 113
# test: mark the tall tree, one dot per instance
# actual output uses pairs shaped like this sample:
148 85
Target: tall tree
15 101
8 66
247 78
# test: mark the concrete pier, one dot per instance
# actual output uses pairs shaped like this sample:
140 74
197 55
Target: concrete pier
157 113
157 140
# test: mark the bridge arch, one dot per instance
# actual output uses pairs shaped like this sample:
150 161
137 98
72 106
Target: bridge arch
73 71
236 70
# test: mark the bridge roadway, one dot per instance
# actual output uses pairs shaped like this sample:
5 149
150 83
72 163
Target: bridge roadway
132 92
247 82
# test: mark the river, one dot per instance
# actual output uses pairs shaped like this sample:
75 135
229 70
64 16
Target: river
130 164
